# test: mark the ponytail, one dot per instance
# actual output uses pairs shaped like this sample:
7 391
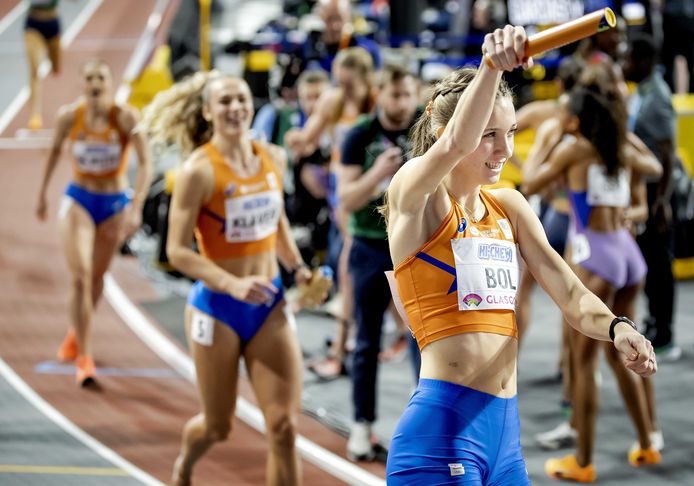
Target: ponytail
175 115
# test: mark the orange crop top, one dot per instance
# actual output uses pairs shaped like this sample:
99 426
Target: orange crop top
98 155
242 217
464 278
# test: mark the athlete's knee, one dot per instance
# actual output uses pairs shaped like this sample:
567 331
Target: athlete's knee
82 280
217 431
282 430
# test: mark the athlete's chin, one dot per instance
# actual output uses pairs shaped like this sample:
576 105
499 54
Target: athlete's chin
492 179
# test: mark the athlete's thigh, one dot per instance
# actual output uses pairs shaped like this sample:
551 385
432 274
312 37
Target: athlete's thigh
77 233
273 358
106 241
35 48
515 475
215 350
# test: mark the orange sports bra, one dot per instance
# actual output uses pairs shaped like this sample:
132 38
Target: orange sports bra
464 278
242 217
98 155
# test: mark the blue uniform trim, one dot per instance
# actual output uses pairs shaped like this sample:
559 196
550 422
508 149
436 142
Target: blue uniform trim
581 208
243 318
99 206
452 434
442 266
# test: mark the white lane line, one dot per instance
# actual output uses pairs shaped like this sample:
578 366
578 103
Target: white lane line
61 421
65 41
11 16
20 143
249 413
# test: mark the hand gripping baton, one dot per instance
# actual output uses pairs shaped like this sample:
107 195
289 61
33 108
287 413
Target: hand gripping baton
566 33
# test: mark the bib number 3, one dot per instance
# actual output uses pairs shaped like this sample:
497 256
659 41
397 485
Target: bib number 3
202 329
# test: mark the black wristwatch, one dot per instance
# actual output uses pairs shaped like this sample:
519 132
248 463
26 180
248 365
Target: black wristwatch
616 321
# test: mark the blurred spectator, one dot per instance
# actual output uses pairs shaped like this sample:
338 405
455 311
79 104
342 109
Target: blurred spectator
336 112
678 32
374 149
652 118
306 188
321 47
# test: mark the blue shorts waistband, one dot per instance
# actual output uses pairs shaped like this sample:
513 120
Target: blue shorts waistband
458 393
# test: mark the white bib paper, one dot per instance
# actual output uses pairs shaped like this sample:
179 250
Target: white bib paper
487 273
96 158
580 248
252 217
202 329
604 190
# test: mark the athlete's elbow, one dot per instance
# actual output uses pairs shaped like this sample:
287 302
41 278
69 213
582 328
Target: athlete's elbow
176 255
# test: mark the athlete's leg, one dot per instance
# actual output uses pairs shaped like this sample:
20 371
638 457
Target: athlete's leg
584 352
35 50
216 369
77 232
630 385
274 365
108 238
55 54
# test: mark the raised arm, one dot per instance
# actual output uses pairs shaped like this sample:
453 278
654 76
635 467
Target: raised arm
421 176
642 159
303 142
66 115
547 160
581 308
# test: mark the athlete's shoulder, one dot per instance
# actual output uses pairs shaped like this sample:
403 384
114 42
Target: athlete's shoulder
505 192
276 153
511 200
126 117
68 113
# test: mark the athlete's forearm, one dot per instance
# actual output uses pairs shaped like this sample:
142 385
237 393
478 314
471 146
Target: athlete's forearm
586 313
355 195
198 267
144 170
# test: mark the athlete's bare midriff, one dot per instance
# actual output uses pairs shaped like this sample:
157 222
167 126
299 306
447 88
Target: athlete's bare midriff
104 186
483 361
264 264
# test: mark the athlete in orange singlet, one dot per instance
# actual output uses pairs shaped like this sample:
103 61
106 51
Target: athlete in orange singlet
229 194
98 210
455 248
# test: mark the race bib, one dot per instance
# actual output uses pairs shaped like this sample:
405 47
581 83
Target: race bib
202 329
96 158
252 217
487 273
604 190
580 248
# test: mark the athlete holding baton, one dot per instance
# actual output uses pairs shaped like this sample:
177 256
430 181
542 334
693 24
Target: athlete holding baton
455 249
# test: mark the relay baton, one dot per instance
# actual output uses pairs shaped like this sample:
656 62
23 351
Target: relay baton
568 32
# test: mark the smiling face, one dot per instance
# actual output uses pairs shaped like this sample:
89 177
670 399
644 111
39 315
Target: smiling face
229 106
97 80
484 165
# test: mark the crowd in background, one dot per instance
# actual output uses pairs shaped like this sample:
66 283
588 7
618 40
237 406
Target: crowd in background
345 92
